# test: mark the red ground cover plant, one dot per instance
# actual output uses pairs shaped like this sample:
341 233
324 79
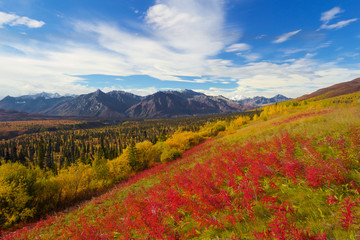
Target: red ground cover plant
302 115
234 188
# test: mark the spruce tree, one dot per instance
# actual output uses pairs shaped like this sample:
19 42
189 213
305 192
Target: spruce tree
41 154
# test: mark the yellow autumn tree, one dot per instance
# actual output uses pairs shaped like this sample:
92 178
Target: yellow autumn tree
184 140
145 154
16 183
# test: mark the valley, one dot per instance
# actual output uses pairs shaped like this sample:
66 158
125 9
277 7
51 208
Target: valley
290 170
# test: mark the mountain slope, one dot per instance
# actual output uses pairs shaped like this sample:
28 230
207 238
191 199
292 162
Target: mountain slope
182 103
38 103
334 90
258 101
12 115
96 104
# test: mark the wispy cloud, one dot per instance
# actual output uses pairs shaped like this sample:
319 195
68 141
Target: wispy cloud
14 20
327 16
286 36
250 57
313 49
331 14
260 36
338 25
238 47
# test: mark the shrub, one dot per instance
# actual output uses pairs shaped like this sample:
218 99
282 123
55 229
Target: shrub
119 169
212 129
16 186
145 154
170 154
184 140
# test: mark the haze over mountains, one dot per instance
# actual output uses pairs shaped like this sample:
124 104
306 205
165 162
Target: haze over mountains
117 104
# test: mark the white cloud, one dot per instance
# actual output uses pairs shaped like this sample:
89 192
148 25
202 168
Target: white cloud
6 18
238 47
191 26
292 79
250 57
181 36
327 16
136 91
23 75
260 36
297 50
286 36
338 25
31 23
14 20
174 46
331 14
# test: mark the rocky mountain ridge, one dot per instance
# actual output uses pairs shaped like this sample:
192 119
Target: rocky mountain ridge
116 104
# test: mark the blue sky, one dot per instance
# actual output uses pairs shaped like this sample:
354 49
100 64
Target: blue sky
235 48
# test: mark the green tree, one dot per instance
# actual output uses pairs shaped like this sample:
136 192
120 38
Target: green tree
100 167
41 154
132 157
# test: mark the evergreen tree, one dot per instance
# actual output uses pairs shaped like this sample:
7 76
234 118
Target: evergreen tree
49 161
41 154
132 158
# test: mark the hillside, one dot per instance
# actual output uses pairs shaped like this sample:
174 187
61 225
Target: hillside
11 115
38 103
333 91
290 173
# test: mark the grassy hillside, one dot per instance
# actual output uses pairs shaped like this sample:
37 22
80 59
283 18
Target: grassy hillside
334 90
290 173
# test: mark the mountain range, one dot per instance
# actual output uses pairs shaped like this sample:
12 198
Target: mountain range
163 104
117 104
256 102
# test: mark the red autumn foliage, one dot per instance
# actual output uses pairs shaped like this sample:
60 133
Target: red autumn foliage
219 193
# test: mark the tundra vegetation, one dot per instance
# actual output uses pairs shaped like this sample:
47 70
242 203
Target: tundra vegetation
291 172
62 162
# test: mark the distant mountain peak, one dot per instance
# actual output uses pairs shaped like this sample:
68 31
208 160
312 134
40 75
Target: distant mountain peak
37 103
42 95
188 91
260 101
181 103
98 92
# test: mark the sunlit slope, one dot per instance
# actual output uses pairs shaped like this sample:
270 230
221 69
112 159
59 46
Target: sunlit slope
290 173
333 91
